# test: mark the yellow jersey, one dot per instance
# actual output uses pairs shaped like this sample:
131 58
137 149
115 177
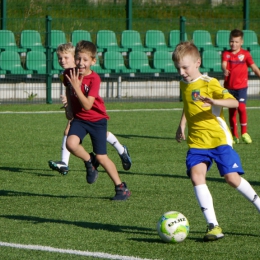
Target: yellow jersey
206 125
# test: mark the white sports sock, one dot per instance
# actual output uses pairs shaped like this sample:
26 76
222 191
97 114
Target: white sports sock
113 141
65 154
249 193
205 201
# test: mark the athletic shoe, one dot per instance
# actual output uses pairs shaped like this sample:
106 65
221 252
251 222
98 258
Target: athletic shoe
126 159
91 173
235 140
60 166
122 192
213 233
246 138
94 160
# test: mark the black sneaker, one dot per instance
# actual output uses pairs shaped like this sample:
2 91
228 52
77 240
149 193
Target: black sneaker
94 160
126 159
122 193
60 166
92 173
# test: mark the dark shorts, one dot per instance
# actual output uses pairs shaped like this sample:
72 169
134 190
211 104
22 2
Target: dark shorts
226 158
239 94
97 131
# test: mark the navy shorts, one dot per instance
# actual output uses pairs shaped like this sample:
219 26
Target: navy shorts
239 94
97 131
225 157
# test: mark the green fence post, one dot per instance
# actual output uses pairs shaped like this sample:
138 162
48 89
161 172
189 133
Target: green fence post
48 60
129 16
182 39
246 15
182 28
3 14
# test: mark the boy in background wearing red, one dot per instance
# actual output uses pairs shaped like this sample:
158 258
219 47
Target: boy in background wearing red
235 63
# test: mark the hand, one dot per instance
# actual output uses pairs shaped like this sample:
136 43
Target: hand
207 101
226 72
64 101
74 79
180 135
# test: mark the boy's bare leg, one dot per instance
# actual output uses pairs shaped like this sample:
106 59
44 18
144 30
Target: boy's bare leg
109 167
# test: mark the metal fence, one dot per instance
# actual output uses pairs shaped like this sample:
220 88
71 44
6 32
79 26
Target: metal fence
149 74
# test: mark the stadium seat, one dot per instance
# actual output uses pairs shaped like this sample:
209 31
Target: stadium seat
202 39
250 40
114 61
222 40
98 69
31 40
8 43
107 41
131 39
174 38
36 61
139 61
155 39
211 61
79 35
57 37
163 60
256 56
10 62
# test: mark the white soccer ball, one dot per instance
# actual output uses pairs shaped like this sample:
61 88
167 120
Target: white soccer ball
173 227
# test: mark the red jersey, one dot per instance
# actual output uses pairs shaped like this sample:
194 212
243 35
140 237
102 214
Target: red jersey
237 64
90 87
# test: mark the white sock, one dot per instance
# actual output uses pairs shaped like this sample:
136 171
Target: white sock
249 193
65 154
205 201
113 141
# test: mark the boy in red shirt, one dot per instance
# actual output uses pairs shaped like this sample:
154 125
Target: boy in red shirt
235 63
87 111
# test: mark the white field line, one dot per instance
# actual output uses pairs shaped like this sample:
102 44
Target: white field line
113 110
70 251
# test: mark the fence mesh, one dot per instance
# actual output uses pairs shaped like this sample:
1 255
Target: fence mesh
157 79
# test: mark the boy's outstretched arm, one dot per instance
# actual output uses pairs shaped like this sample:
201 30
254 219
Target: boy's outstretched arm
224 68
180 133
229 102
255 69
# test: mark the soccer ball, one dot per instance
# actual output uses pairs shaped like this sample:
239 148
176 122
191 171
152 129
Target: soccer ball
173 227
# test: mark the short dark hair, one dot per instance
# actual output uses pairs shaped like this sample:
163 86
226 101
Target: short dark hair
86 46
236 33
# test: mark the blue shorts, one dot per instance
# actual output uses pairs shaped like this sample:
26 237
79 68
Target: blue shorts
239 94
225 157
97 131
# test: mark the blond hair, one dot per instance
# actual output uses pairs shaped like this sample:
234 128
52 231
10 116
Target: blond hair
66 48
184 49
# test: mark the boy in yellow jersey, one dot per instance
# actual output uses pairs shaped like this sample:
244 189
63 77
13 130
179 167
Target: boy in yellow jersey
65 53
209 137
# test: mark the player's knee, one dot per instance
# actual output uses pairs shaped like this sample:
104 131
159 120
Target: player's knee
233 179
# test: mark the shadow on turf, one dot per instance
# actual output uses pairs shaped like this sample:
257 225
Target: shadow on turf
89 225
10 193
196 239
25 170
